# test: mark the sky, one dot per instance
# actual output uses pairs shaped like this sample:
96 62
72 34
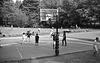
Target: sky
17 0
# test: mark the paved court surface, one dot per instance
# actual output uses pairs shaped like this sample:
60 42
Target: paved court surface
14 50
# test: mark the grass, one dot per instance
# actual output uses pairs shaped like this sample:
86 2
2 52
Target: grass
44 31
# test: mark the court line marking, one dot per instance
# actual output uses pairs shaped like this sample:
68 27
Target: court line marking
8 44
44 41
10 38
19 53
82 43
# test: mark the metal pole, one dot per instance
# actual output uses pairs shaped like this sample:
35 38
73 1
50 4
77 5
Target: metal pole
57 37
57 34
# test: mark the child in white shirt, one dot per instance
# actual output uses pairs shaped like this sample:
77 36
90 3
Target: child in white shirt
95 45
24 37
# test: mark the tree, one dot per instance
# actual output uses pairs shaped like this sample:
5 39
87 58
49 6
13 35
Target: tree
31 9
51 4
82 11
90 11
12 15
1 15
69 7
6 10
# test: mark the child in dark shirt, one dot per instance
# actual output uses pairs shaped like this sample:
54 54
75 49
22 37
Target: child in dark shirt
28 35
64 39
36 39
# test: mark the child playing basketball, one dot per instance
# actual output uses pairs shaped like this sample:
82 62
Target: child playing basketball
36 39
95 45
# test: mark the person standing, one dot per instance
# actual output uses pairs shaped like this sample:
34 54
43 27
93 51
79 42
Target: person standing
11 26
36 39
0 32
28 35
39 30
24 37
54 40
64 39
51 32
1 45
95 45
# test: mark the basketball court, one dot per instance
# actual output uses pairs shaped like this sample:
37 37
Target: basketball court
16 50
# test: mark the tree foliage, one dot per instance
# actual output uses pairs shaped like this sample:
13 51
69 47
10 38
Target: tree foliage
31 9
72 12
1 16
82 11
12 15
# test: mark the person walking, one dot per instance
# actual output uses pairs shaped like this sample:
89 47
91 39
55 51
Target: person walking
36 39
96 45
64 39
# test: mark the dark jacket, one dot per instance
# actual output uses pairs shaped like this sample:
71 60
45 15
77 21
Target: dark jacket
36 38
